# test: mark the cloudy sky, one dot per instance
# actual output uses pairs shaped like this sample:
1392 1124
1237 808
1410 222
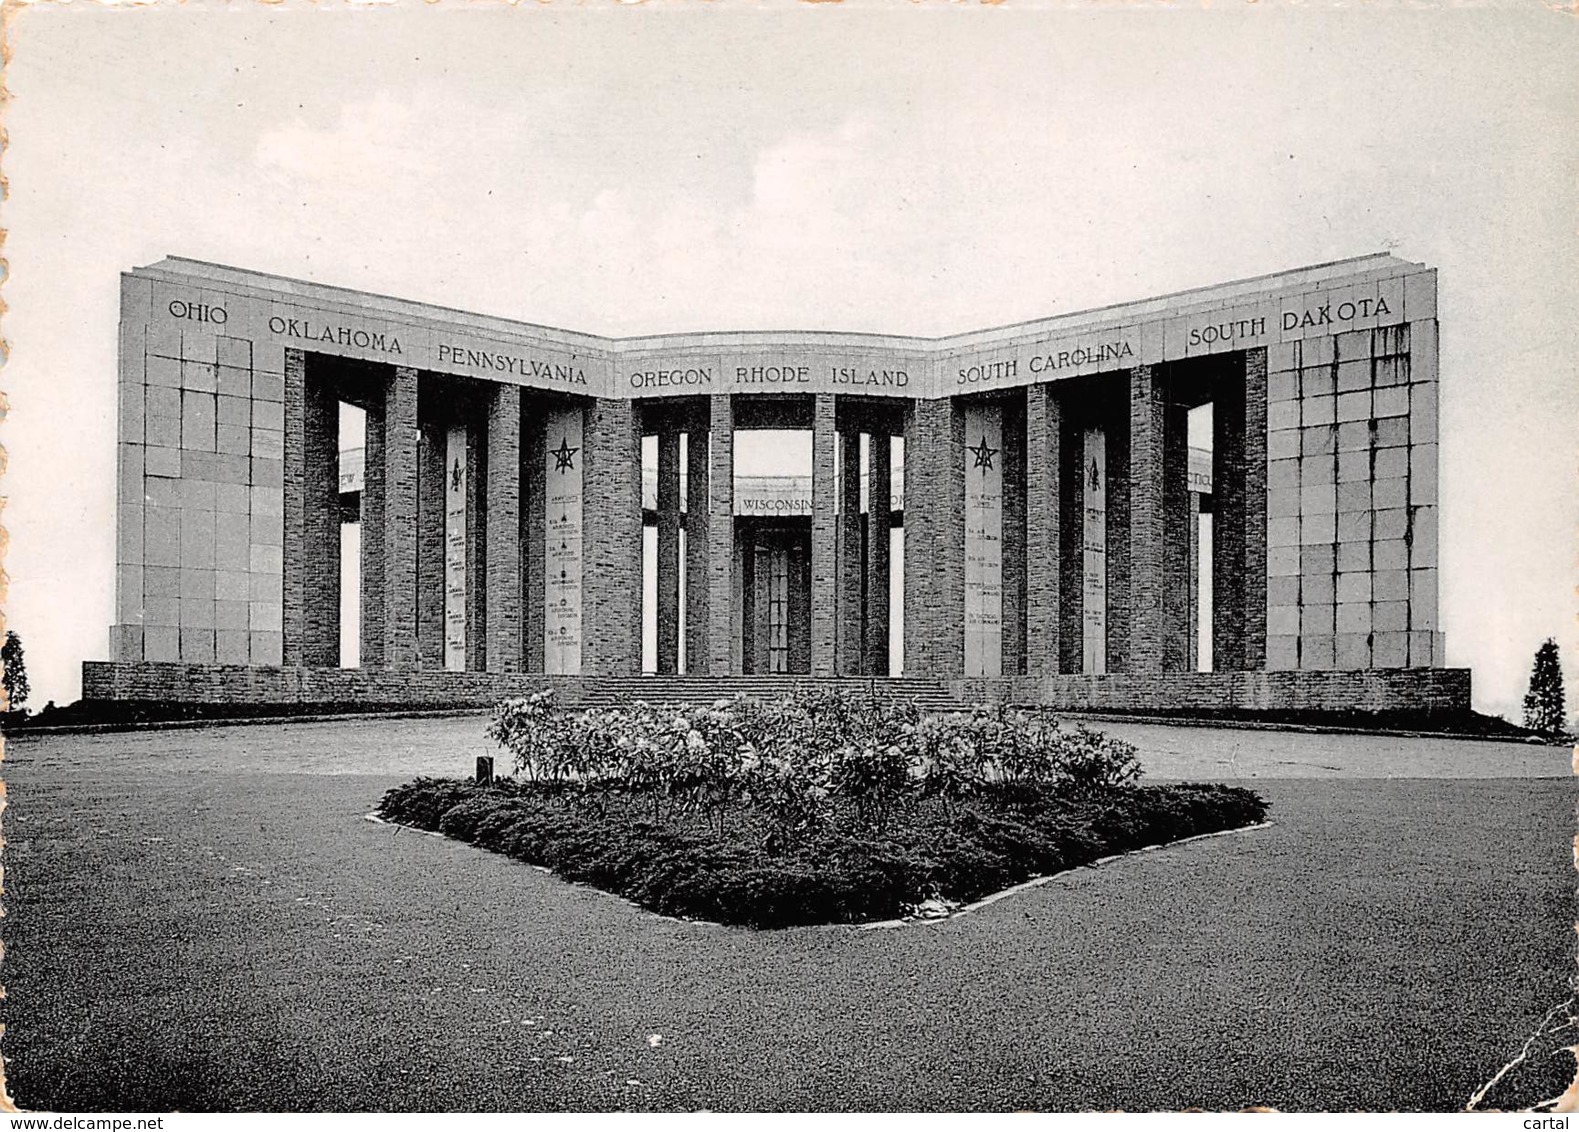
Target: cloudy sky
917 170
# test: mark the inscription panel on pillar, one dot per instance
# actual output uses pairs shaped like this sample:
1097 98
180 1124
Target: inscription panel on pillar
455 549
562 558
983 540
1093 488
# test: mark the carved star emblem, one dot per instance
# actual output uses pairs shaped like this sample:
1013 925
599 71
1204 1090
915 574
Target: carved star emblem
564 456
455 476
1093 478
984 455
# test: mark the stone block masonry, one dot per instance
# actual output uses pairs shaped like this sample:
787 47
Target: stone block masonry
697 547
1239 518
1152 634
1425 690
401 536
533 533
722 615
611 609
1015 561
374 472
1043 530
824 541
1435 690
850 557
429 585
200 515
1116 418
934 539
1323 495
878 532
312 518
1351 502
503 582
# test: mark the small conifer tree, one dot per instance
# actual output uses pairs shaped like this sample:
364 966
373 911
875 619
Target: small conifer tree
14 678
1544 710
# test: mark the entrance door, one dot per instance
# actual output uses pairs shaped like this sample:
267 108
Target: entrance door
776 598
778 608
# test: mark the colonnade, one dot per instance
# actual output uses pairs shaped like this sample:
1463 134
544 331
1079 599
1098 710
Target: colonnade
1048 529
849 633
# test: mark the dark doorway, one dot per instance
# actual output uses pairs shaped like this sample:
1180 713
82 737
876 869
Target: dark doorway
775 589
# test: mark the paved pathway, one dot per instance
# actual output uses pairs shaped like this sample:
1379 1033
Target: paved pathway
449 745
202 919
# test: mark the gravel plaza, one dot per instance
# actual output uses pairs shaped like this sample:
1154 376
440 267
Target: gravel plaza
204 919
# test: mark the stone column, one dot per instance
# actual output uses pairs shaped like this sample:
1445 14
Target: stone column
851 561
1255 510
533 533
935 540
1073 472
1193 598
879 526
430 538
1159 541
916 656
824 582
612 607
1043 527
1239 519
1176 543
721 536
504 653
668 559
696 548
311 615
1147 527
400 534
372 598
294 584
1014 536
1119 477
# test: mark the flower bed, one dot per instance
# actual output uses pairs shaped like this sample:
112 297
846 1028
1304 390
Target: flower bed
815 810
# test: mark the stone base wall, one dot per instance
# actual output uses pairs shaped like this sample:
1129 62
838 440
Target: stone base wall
1398 689
239 684
1403 689
178 683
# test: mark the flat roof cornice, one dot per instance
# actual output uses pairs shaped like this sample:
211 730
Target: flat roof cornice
1232 293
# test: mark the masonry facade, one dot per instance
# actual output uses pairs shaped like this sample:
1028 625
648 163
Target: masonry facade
1048 530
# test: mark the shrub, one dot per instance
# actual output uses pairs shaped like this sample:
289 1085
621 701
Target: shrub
423 802
819 808
843 871
795 760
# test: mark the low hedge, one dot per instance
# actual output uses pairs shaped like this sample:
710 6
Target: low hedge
845 872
